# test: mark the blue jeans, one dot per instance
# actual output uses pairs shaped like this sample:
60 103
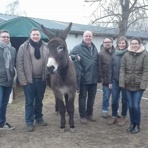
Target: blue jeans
85 89
34 94
4 99
105 101
116 97
134 99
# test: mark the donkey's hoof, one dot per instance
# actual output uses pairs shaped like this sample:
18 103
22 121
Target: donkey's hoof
72 130
62 130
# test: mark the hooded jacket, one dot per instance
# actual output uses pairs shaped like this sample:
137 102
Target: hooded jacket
134 70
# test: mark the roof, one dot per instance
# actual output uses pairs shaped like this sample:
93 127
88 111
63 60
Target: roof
21 27
77 28
5 17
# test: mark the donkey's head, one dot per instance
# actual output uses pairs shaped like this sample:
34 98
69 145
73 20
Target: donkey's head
58 53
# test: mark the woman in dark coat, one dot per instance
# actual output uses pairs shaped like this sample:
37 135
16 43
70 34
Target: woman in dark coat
134 78
121 49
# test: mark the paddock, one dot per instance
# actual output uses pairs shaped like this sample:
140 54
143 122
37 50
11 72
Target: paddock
91 135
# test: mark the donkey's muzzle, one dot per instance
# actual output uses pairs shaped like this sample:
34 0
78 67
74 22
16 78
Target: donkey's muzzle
51 69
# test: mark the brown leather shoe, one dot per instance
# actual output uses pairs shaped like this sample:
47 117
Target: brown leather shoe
121 121
112 121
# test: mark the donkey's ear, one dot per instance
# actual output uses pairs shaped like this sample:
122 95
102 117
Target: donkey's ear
49 34
63 35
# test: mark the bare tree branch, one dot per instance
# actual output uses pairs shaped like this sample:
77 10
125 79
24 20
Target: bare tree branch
122 14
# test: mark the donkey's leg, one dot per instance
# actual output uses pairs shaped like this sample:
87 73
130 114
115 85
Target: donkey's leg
62 110
66 102
70 109
56 107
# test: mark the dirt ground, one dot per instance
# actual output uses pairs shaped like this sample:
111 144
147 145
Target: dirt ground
91 135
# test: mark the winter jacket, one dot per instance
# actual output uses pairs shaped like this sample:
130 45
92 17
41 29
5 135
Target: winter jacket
3 76
114 70
24 64
134 70
88 63
105 57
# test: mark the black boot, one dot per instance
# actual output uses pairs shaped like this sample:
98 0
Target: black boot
129 130
136 129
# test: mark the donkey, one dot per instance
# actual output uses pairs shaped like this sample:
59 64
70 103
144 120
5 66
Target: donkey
62 75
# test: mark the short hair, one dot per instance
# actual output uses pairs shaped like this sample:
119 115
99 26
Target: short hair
34 29
122 38
108 38
87 31
4 31
137 39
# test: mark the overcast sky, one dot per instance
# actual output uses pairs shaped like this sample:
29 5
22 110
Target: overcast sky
62 10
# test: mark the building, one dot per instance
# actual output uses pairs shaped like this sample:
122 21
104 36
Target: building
19 26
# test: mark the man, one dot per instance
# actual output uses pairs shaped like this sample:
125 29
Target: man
7 73
31 68
89 76
105 56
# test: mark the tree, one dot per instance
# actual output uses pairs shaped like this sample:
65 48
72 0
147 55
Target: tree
121 14
13 9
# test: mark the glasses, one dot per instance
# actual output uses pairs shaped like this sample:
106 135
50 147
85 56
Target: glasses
4 37
134 43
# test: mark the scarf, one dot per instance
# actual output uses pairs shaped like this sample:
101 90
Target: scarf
7 58
36 46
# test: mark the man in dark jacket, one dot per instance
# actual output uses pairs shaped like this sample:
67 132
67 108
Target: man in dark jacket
105 56
89 76
7 63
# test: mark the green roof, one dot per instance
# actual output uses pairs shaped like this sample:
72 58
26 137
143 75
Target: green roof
21 27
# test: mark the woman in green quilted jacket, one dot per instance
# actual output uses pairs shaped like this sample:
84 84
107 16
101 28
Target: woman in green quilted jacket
134 78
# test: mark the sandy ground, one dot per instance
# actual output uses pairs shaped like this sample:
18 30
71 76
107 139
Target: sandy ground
91 135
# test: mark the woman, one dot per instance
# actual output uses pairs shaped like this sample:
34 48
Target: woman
121 49
134 78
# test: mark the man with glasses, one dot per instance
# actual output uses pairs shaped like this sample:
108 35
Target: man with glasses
105 56
7 73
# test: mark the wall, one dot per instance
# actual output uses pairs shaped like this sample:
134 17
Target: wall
73 41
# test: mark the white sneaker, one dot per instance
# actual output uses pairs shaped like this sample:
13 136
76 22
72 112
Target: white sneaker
7 126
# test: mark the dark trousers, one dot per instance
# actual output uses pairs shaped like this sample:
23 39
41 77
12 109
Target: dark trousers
34 94
4 99
86 99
